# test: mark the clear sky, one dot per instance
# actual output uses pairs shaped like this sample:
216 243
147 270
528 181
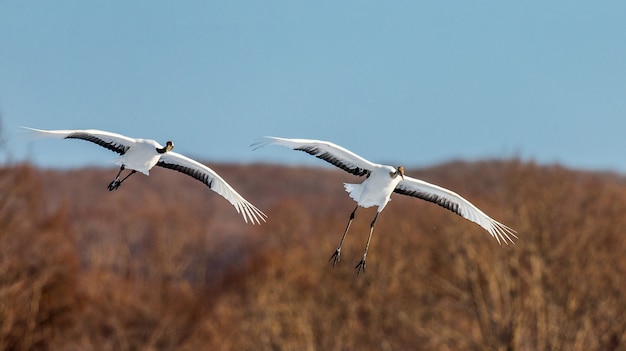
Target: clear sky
406 82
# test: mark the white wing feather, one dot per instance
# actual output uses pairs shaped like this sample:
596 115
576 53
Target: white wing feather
112 141
327 151
455 203
197 170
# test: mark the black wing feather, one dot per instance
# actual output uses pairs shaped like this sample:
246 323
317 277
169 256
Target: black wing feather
203 177
441 201
115 147
312 150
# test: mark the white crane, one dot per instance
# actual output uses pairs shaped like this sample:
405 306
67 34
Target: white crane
381 182
143 154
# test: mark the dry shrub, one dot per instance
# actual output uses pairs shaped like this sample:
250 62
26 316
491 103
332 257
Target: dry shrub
38 265
436 281
168 265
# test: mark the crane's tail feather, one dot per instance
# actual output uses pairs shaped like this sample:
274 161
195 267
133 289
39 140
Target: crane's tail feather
354 190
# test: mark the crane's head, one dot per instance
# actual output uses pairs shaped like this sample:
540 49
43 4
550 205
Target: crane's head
169 145
399 172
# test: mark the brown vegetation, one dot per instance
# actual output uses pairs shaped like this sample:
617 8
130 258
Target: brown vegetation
164 264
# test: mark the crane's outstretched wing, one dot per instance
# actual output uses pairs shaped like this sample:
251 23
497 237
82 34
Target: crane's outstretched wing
455 203
206 175
327 151
112 141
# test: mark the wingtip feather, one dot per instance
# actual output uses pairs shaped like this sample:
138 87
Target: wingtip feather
41 133
502 233
262 141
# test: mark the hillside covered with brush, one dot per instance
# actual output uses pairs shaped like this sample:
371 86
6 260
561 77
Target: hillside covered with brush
165 264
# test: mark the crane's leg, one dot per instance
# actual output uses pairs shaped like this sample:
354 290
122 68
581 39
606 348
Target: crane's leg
336 256
129 174
361 265
117 182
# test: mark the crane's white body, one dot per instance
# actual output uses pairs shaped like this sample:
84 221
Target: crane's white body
143 154
376 190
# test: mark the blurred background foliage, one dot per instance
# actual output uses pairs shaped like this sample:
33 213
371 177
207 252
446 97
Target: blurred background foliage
165 264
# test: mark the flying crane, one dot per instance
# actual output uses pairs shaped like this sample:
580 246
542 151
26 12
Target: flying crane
381 181
140 155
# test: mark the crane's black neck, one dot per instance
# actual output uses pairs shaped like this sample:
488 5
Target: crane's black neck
168 147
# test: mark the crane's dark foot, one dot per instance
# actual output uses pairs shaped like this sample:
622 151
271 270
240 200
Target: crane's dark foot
336 257
114 184
360 267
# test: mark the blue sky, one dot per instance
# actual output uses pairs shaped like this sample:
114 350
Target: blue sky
405 82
